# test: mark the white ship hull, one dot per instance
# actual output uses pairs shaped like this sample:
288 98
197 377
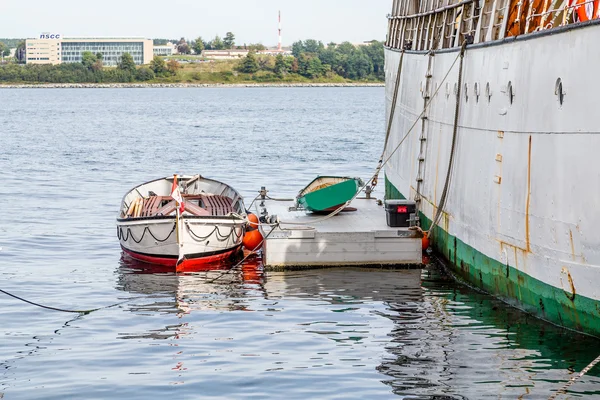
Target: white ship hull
520 215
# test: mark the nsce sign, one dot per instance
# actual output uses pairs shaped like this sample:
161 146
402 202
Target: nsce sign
50 36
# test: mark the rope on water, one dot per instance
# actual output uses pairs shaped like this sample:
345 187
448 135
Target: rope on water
253 252
84 312
575 378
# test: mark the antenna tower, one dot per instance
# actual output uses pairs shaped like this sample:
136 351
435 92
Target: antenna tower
279 43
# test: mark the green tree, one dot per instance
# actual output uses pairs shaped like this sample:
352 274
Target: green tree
3 48
20 53
312 46
183 47
256 47
144 74
359 66
249 64
97 65
198 45
173 66
376 54
126 63
310 65
280 66
87 59
158 65
298 48
217 43
229 40
345 48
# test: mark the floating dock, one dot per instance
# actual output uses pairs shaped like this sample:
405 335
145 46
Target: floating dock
360 237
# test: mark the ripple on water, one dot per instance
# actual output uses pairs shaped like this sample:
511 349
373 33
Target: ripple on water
333 333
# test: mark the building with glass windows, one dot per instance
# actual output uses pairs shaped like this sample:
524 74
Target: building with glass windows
53 49
165 50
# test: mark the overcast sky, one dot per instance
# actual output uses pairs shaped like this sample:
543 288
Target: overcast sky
251 21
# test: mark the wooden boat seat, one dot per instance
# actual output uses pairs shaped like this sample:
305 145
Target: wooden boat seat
217 205
207 205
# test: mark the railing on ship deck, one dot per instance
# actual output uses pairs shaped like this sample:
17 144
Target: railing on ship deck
441 24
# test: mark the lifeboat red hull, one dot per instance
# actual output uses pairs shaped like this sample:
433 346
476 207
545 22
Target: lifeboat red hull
194 263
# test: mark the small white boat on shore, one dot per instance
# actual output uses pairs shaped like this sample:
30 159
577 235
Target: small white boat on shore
182 221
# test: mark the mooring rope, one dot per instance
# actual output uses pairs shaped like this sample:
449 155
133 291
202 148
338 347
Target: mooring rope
253 252
418 118
444 196
84 312
575 378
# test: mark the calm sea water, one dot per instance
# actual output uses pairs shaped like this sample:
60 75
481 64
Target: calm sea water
68 156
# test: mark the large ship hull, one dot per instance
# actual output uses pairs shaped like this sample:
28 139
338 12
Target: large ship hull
519 220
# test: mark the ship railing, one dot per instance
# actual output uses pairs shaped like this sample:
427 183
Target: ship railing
563 14
438 25
435 24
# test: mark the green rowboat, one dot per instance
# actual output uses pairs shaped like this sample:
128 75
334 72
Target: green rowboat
327 193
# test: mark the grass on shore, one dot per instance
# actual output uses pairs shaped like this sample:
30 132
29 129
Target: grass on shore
215 72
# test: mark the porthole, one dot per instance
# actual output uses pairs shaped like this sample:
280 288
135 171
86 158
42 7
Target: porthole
558 91
488 92
510 92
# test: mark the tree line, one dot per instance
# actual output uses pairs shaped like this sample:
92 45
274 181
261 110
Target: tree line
89 70
312 59
197 45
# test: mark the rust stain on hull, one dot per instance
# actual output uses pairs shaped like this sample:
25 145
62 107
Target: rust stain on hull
527 241
572 244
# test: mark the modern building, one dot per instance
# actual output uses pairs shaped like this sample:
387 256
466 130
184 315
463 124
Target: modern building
165 50
54 49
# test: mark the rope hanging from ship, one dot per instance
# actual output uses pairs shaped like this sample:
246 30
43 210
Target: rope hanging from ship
385 160
391 118
125 237
444 197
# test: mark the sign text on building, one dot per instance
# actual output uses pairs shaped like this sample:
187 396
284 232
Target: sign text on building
47 35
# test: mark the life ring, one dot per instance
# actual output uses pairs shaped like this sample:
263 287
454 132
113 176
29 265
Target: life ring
586 9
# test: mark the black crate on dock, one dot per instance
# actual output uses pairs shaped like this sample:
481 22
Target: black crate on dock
400 213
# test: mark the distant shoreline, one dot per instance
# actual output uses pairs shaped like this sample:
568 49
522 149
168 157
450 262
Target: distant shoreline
180 85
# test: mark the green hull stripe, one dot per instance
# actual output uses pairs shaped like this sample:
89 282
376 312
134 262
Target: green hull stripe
391 192
511 285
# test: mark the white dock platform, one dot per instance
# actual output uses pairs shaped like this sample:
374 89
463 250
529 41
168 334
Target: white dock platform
359 237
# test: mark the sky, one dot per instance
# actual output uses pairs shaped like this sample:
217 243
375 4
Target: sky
251 21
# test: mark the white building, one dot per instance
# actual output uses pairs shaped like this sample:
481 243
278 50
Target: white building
165 50
54 49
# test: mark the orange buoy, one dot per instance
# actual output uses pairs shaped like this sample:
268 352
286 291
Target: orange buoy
252 240
425 242
252 222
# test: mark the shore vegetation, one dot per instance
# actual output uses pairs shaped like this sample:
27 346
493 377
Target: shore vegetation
311 61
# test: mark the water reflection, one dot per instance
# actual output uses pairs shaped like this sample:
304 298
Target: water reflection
440 340
459 343
218 288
